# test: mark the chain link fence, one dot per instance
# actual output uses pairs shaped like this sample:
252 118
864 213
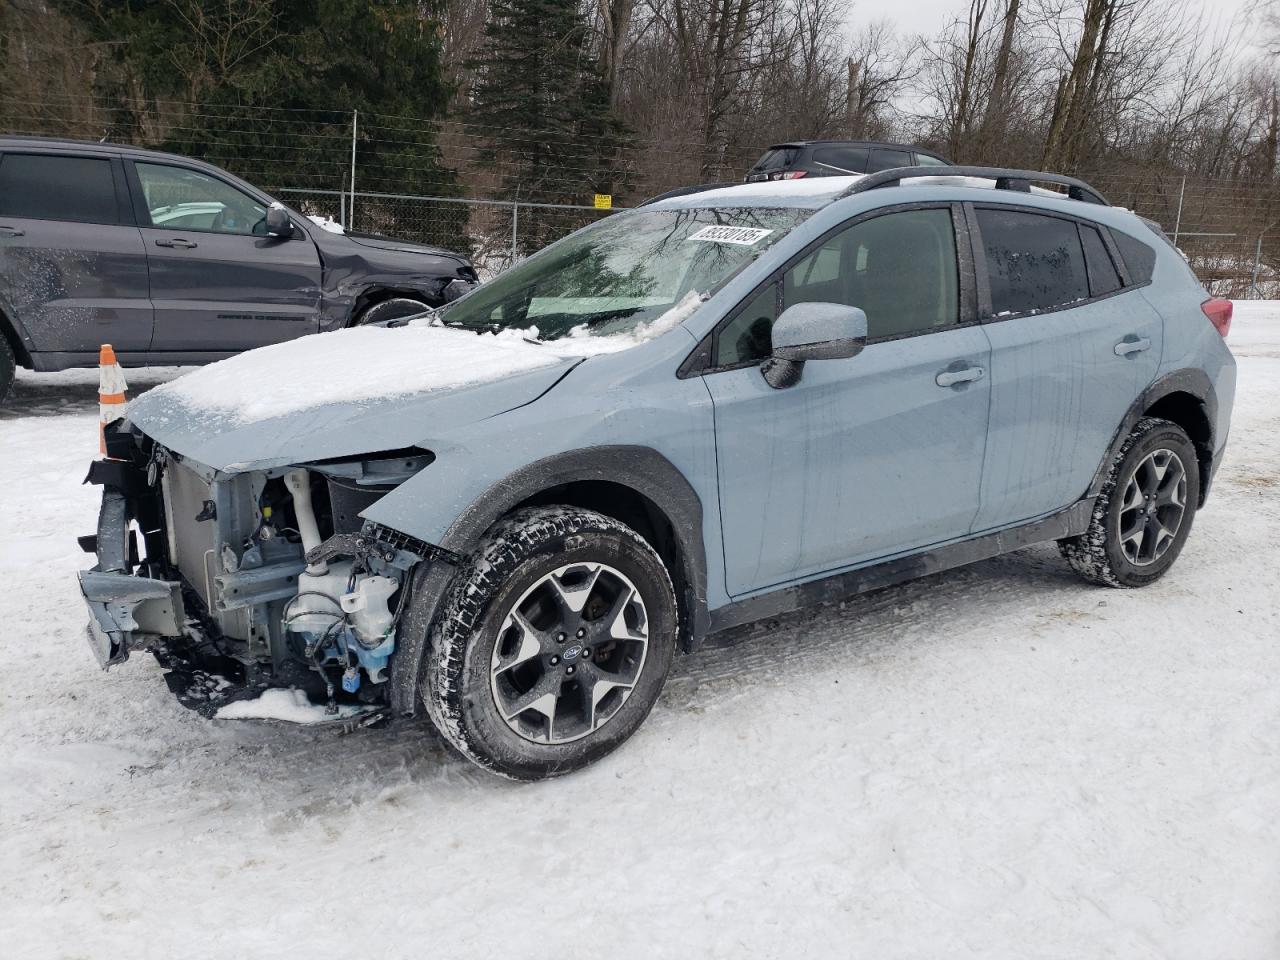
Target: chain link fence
424 180
494 233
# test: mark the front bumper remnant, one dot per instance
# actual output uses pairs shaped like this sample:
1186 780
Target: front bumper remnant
127 612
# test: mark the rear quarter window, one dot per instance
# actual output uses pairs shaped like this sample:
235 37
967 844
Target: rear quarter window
1139 258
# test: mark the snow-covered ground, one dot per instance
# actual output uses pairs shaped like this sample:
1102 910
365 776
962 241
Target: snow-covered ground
995 762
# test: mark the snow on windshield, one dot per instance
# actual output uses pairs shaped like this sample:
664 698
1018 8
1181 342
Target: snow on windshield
624 273
371 363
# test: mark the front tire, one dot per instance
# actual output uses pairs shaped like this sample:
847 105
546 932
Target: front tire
8 366
553 643
394 309
1143 515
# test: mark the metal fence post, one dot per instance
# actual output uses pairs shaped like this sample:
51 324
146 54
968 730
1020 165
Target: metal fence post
355 115
515 230
1254 291
1177 223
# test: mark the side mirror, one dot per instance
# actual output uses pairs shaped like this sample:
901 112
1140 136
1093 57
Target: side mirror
813 331
278 222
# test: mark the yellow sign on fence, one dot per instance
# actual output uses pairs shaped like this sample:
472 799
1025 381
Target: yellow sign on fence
604 201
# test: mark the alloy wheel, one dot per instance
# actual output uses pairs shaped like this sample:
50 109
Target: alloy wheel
569 653
1154 504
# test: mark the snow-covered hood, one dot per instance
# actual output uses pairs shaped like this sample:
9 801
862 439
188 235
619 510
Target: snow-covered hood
347 393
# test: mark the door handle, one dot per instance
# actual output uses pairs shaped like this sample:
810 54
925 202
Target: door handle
177 242
1131 345
953 378
11 232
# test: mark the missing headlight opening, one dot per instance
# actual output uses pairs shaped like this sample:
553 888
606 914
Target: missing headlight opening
281 584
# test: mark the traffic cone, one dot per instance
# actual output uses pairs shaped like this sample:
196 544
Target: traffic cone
111 393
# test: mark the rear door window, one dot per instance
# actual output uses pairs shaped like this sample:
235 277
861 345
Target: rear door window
887 159
1034 262
49 187
844 159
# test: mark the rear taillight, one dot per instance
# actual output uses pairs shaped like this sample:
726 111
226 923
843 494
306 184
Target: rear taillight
788 175
1218 311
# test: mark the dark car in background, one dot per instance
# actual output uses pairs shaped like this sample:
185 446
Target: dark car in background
174 261
837 158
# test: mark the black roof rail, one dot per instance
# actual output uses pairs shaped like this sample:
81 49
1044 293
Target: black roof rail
1016 180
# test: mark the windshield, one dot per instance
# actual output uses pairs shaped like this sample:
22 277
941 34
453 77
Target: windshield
623 272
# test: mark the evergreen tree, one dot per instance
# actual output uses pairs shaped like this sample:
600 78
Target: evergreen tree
543 108
266 88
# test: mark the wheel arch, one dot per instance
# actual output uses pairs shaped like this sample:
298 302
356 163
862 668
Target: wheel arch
1185 397
11 333
380 292
635 485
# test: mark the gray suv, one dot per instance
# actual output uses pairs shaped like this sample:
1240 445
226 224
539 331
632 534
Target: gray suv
706 411
173 261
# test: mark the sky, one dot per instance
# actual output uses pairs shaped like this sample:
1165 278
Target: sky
925 16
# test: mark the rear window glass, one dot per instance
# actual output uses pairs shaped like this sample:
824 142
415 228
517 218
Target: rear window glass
924 160
851 159
887 160
1033 262
775 159
1139 258
43 187
1103 276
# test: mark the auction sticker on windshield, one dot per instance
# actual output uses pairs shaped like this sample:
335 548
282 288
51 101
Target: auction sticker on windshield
743 236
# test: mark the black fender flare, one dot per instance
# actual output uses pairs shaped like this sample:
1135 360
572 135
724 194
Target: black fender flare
1188 380
643 470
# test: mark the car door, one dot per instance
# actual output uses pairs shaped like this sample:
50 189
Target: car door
865 457
218 283
73 268
1072 348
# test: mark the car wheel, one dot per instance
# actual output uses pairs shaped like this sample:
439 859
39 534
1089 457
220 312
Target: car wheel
1143 515
393 309
553 643
8 366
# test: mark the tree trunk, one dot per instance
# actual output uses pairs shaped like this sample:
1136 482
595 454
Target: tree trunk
995 120
1075 86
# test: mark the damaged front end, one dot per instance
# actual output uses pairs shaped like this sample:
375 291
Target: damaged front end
247 581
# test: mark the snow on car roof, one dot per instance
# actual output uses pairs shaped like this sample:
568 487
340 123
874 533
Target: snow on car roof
815 192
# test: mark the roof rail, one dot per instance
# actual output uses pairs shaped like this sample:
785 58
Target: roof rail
1016 180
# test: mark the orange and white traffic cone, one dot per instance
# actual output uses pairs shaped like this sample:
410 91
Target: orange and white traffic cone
111 393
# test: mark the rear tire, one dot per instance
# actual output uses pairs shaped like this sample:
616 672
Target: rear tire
8 366
1143 515
553 643
393 309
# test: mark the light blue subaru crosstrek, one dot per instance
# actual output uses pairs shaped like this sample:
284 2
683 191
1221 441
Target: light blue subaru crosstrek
708 410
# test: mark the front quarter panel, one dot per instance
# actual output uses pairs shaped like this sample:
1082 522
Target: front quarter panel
630 399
